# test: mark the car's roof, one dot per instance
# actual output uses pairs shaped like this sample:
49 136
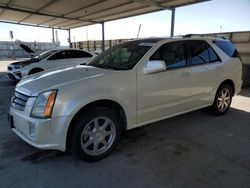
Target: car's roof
63 49
158 39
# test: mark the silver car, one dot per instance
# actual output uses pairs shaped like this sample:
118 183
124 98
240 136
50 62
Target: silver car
85 108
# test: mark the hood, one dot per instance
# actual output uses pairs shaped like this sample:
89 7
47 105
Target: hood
22 63
33 85
26 48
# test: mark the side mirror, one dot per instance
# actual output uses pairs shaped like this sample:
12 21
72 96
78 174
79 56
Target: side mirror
154 67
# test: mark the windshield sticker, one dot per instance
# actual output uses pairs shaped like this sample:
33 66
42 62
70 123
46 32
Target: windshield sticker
147 44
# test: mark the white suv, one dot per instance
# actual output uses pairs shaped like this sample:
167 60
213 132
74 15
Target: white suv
84 109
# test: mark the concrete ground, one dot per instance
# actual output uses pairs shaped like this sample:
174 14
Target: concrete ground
192 150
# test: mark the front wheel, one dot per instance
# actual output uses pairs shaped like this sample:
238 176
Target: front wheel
95 134
222 100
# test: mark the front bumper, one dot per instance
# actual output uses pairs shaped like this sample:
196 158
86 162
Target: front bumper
14 75
40 133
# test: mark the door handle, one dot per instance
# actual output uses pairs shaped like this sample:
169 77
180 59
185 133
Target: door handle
184 74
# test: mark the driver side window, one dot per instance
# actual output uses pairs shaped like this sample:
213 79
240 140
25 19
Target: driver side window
173 54
60 55
119 56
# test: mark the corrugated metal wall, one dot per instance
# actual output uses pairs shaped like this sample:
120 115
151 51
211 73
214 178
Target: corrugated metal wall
240 39
12 49
96 45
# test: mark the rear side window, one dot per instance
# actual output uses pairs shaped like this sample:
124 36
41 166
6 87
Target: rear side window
227 47
212 55
60 55
172 53
79 54
201 52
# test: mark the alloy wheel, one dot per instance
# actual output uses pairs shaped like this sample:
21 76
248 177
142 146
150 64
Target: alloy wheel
224 100
98 136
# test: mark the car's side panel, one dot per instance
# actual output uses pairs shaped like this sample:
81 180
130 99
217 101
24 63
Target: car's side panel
202 83
161 94
117 86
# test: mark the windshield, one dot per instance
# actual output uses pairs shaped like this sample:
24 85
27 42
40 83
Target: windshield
122 57
43 55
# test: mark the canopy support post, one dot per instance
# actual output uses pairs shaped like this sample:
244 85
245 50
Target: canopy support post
103 36
172 22
53 38
69 40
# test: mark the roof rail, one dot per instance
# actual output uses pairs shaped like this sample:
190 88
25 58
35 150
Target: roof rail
192 35
204 35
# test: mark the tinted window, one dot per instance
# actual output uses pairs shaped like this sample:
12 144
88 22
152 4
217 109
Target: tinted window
201 52
227 47
79 54
213 56
43 55
172 53
60 55
122 57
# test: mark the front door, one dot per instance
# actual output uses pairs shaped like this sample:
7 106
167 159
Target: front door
165 93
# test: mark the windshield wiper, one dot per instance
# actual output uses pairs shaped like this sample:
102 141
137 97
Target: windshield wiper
111 67
105 67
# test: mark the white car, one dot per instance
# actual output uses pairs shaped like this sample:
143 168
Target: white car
84 109
48 60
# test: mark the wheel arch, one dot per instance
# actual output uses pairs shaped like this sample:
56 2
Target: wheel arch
230 83
95 104
35 70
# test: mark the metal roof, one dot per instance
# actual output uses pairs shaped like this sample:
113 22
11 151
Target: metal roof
68 14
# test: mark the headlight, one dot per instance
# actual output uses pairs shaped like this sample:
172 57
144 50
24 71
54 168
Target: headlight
19 66
44 104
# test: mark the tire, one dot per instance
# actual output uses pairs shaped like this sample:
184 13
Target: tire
95 134
222 100
36 70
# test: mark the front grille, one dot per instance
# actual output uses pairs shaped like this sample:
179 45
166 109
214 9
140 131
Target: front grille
11 76
10 68
19 101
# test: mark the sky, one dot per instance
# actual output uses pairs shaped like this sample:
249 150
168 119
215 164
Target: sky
208 17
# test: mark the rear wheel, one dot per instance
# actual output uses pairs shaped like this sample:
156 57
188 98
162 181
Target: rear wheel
95 134
222 100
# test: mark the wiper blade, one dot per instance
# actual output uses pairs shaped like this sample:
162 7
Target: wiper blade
110 67
103 67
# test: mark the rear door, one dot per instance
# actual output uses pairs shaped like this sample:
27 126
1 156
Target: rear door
205 66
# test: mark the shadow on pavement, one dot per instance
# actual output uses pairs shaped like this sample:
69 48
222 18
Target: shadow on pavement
245 92
173 137
6 81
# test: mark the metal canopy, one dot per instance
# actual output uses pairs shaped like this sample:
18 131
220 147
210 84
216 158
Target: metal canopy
68 14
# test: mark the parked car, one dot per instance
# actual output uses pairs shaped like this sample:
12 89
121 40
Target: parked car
47 60
85 108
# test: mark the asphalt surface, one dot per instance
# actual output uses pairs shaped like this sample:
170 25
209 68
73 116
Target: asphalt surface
195 150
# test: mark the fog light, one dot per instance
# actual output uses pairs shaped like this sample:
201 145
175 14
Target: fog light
18 73
32 129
